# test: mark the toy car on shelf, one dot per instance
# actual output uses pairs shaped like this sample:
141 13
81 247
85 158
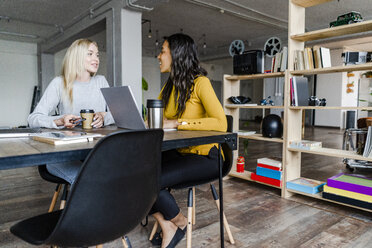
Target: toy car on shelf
348 18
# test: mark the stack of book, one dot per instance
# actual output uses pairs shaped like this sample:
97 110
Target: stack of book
269 171
280 61
349 189
306 185
311 58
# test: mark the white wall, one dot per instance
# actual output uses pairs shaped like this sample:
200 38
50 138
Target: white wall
18 76
329 86
151 72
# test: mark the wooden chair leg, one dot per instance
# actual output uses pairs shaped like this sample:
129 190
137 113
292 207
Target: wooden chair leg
126 242
64 197
193 207
99 246
153 231
189 219
225 223
55 197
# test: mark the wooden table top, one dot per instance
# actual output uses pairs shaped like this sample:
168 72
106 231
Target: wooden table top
24 152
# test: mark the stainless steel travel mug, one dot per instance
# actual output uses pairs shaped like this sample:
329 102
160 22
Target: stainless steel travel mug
155 110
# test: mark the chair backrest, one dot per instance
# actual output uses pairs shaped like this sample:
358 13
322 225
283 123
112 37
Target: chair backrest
115 189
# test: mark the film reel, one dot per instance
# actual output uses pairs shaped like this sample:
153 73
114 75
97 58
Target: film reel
272 46
236 47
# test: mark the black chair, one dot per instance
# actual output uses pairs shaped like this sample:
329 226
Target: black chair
115 189
44 174
226 167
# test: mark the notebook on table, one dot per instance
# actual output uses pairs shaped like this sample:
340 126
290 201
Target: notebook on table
17 132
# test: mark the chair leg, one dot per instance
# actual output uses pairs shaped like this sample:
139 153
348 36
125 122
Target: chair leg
126 242
64 197
189 219
193 207
153 231
55 197
225 223
99 246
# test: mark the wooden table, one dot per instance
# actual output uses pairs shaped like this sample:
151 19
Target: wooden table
25 152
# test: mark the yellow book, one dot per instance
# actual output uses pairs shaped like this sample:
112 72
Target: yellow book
349 194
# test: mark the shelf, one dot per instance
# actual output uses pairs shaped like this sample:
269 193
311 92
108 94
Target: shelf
247 176
332 153
257 136
256 76
330 107
334 31
235 106
309 3
363 67
319 196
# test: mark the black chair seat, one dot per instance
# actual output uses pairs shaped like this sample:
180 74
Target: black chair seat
44 173
37 229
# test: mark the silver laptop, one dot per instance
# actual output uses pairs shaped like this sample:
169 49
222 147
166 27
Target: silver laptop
122 105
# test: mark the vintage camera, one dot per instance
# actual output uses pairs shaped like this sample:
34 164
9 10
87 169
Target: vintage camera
355 58
314 101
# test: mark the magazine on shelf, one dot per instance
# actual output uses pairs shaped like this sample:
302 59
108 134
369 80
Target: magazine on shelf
305 144
306 185
64 137
245 132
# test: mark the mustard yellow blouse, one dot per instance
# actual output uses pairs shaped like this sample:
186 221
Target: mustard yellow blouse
203 112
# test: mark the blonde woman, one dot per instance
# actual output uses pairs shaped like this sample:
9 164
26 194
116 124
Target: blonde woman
77 88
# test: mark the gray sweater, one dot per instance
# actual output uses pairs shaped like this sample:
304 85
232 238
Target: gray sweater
86 95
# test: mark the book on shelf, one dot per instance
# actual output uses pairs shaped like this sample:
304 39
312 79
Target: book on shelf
284 62
265 172
306 185
346 193
347 200
325 55
266 180
305 144
368 145
316 55
351 182
272 161
269 167
300 91
245 132
65 137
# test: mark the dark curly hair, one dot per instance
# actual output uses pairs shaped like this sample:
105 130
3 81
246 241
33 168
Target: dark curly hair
185 68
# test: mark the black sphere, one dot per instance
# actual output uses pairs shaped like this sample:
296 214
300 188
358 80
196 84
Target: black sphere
272 126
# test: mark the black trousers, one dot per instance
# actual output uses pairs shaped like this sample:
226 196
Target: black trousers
183 169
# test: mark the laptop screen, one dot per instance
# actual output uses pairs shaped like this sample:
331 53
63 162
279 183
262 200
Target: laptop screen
123 107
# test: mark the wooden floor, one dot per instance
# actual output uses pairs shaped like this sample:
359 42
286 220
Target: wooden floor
258 216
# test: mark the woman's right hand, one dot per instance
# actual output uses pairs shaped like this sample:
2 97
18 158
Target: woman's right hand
67 121
170 124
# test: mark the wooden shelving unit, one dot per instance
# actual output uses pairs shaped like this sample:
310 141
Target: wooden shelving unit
292 114
291 157
231 87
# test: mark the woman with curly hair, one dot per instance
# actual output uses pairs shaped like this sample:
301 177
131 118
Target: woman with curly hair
190 104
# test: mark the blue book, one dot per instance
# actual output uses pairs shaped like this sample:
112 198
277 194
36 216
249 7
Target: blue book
274 174
306 185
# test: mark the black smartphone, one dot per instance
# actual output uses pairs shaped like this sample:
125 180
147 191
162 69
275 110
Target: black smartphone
77 122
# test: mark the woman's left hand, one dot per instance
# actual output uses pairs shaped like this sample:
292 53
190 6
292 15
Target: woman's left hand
98 119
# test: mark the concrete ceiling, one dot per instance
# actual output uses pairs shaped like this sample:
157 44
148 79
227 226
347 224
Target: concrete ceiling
215 22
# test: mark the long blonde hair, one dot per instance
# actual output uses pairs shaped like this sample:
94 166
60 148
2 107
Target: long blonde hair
73 64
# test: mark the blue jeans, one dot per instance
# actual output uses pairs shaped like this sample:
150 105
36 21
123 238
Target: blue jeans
65 170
